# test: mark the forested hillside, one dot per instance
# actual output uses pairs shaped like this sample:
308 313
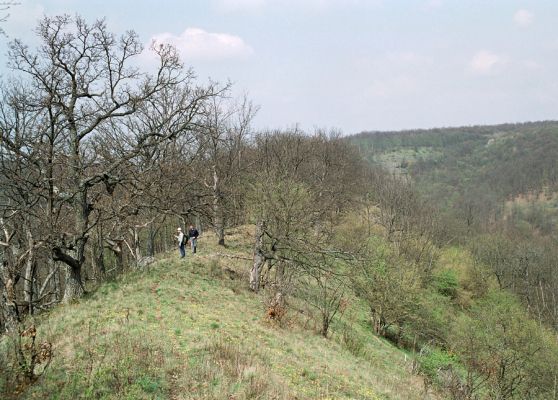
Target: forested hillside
495 188
482 173
307 252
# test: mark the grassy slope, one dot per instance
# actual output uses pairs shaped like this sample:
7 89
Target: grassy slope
186 330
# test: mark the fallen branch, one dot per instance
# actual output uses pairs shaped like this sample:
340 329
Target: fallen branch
233 256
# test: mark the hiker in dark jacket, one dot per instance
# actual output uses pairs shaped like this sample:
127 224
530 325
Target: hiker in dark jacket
193 236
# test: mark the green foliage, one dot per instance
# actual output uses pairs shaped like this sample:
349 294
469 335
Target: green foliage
149 384
495 190
447 283
353 341
389 285
504 350
108 287
476 168
431 361
214 269
432 320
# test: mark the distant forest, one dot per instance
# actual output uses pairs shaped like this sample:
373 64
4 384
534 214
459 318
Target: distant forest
476 172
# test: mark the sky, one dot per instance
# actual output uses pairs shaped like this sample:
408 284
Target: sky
350 65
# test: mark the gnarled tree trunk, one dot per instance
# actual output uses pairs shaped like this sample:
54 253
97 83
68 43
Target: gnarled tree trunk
73 286
8 272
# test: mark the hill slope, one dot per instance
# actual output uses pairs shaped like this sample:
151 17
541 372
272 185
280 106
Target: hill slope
477 167
189 329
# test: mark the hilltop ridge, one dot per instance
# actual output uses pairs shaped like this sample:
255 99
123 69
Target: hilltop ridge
190 329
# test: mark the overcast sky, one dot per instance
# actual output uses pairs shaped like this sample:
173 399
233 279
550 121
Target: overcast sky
352 65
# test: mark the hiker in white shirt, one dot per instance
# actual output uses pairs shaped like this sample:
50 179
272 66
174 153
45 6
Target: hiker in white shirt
181 242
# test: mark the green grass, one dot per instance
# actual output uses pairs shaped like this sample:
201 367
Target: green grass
176 331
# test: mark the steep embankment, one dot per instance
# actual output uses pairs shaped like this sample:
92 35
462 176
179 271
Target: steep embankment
190 329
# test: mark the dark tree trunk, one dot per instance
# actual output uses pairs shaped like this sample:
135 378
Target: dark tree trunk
56 279
325 326
259 258
98 259
73 286
151 235
9 276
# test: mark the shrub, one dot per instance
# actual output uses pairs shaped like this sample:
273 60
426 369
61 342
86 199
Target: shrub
447 283
23 360
432 361
214 269
504 349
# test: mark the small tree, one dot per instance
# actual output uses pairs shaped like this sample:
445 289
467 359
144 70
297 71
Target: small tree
389 285
225 130
324 288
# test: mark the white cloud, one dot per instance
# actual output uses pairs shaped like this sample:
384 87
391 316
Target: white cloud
485 62
531 64
197 44
523 18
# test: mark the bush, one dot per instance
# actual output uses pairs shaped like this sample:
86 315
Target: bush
114 365
23 359
432 361
447 283
431 321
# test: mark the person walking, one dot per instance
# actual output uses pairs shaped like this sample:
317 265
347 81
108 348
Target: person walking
181 242
193 235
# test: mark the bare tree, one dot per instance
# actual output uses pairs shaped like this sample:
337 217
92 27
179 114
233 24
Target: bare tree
226 128
22 179
300 188
84 80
